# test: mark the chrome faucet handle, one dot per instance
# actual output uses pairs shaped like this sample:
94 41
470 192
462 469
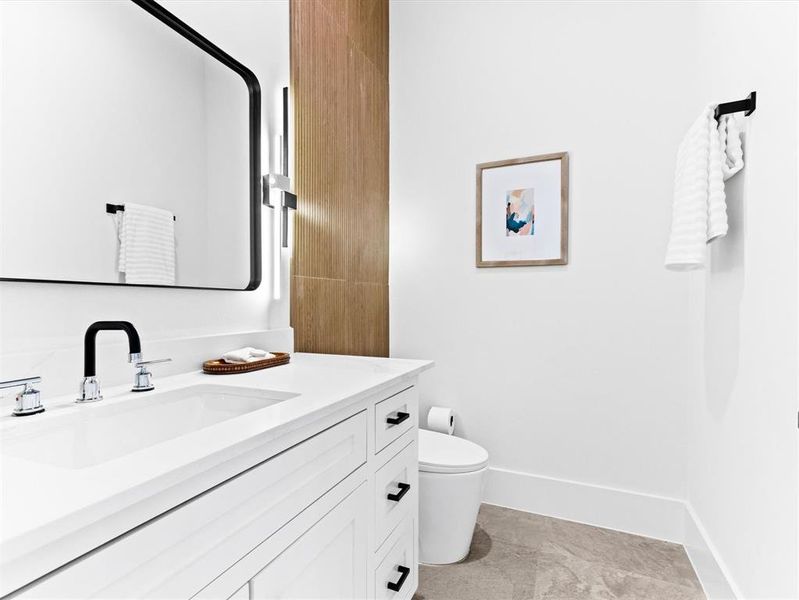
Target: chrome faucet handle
89 390
143 363
29 400
142 381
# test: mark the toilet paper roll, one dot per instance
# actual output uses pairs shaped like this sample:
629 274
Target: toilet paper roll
441 419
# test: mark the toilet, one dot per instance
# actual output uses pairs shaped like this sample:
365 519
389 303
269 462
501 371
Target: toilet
451 474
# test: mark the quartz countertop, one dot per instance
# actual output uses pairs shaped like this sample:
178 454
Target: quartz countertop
50 515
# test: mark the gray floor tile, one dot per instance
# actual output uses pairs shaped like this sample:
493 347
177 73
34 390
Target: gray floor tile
513 526
492 570
561 577
522 556
624 551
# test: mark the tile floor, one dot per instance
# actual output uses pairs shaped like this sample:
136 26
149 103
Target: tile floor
522 556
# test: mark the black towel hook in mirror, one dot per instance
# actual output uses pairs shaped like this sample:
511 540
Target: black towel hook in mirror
115 208
747 106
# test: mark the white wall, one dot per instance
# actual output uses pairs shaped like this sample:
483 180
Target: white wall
742 471
42 325
610 371
569 372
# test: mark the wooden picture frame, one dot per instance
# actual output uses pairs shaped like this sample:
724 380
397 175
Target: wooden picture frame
527 252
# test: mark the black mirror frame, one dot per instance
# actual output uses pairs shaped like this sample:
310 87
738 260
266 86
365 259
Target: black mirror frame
254 90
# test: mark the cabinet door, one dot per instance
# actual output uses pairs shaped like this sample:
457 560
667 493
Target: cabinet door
328 561
243 593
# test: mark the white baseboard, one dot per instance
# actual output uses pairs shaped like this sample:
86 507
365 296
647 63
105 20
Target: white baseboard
641 514
652 516
713 574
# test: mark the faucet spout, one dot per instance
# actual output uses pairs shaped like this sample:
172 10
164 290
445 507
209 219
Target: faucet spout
89 345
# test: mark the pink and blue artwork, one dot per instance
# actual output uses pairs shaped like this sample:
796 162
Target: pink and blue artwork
519 212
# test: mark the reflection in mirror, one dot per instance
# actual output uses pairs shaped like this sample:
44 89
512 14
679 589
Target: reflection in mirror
104 104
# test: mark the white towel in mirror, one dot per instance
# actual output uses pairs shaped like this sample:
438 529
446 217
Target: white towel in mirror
146 245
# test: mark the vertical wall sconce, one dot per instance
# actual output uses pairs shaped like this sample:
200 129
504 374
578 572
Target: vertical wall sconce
272 184
281 182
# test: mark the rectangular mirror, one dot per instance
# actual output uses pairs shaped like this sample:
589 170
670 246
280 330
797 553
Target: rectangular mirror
130 149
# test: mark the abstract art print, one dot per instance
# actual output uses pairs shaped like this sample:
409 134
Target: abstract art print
520 212
523 211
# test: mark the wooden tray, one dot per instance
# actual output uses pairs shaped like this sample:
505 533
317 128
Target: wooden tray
220 367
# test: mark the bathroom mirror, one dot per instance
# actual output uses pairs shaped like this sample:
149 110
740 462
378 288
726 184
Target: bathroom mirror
130 149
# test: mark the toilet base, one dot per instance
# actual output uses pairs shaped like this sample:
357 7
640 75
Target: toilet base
448 506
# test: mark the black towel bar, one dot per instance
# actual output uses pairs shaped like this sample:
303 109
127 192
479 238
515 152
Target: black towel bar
115 208
746 106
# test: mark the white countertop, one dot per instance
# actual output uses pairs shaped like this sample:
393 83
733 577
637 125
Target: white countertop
54 515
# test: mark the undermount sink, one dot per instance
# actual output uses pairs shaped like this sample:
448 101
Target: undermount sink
99 433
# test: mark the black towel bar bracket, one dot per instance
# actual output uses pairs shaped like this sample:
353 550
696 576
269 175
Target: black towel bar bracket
746 106
115 208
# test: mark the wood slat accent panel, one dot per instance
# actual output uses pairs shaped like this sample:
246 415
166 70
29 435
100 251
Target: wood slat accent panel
319 75
367 26
339 78
366 183
365 22
366 322
321 324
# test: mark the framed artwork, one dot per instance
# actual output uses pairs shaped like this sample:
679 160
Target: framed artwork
523 211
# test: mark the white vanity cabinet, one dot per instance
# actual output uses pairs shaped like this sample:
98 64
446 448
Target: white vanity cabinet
330 513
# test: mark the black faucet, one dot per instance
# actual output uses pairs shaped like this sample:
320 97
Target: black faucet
90 387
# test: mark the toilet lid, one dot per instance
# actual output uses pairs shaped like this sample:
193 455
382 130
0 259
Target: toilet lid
439 453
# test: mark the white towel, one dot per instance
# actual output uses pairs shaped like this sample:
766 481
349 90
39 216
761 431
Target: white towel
245 355
146 244
730 139
699 213
716 197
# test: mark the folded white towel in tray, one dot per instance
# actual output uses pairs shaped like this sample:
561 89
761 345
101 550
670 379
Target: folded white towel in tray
245 355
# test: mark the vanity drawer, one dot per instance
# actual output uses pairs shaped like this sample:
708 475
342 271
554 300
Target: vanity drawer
396 491
183 550
394 416
398 569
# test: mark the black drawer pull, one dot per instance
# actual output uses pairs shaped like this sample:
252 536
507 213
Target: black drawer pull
404 572
404 489
401 416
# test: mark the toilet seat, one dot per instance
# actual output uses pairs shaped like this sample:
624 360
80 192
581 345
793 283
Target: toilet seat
439 453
